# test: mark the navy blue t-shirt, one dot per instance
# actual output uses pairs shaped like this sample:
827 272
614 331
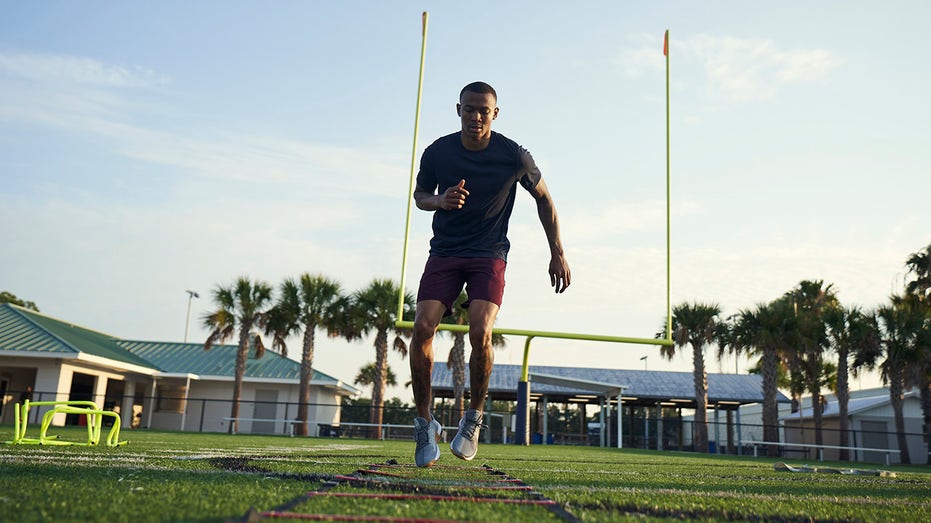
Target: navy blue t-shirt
479 229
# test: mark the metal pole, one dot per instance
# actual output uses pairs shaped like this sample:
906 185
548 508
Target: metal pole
187 388
410 190
522 435
187 319
620 419
668 205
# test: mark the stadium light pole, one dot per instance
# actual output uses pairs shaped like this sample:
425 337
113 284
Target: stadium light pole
187 320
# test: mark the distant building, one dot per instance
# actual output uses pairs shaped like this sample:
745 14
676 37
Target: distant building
871 425
159 385
652 402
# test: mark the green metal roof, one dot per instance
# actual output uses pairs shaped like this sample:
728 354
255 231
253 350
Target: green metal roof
220 360
24 330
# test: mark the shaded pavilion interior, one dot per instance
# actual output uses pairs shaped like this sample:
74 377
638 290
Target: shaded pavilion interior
649 399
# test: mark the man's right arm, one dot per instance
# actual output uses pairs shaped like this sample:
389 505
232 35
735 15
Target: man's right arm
452 198
426 200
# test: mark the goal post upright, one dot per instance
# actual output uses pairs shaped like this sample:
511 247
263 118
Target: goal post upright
410 188
522 435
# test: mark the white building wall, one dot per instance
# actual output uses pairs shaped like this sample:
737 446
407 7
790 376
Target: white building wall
53 379
210 401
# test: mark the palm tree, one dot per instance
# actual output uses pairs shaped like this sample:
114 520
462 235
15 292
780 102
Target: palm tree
762 331
241 305
698 325
919 266
812 300
367 376
456 361
853 333
901 322
374 308
304 305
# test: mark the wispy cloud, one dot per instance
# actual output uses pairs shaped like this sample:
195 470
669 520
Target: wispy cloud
75 69
737 69
594 224
92 98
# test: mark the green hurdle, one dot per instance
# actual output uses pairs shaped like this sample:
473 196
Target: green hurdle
94 417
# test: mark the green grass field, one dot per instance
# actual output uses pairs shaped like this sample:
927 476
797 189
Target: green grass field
161 476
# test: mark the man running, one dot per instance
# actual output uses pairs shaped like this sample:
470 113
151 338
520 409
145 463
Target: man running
469 180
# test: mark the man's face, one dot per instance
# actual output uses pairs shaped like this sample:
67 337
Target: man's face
476 112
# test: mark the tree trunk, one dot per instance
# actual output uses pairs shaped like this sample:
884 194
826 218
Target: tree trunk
843 398
381 377
307 371
457 365
811 364
700 428
895 398
241 354
770 362
817 412
731 443
926 411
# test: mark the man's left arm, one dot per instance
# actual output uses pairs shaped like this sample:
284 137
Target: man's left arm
560 277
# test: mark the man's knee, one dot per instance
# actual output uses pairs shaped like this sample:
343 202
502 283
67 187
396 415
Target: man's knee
424 330
480 337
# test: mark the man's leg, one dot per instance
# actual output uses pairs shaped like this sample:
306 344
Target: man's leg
481 320
428 316
427 431
482 316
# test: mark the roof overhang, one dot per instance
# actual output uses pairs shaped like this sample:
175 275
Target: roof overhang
601 388
83 357
340 387
114 364
176 375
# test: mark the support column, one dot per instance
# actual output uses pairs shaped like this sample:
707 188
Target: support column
187 390
126 407
149 404
100 390
740 445
488 430
545 419
522 430
620 419
717 435
607 422
601 423
659 427
583 422
646 427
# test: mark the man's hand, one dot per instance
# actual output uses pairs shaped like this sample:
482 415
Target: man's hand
560 278
454 197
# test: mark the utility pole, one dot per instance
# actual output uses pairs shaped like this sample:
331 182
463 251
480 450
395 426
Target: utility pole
187 321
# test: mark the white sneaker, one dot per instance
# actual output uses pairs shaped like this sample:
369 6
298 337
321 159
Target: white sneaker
465 444
427 434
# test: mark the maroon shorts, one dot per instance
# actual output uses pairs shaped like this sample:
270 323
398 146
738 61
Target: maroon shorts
444 276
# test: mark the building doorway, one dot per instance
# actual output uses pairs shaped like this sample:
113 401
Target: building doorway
265 407
875 436
82 389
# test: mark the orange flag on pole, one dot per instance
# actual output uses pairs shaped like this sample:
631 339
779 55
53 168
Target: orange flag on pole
666 43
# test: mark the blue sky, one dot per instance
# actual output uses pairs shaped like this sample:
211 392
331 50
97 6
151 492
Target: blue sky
148 148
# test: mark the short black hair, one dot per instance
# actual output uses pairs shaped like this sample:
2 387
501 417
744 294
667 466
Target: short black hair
480 88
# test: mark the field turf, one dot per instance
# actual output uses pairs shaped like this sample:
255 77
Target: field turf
169 476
